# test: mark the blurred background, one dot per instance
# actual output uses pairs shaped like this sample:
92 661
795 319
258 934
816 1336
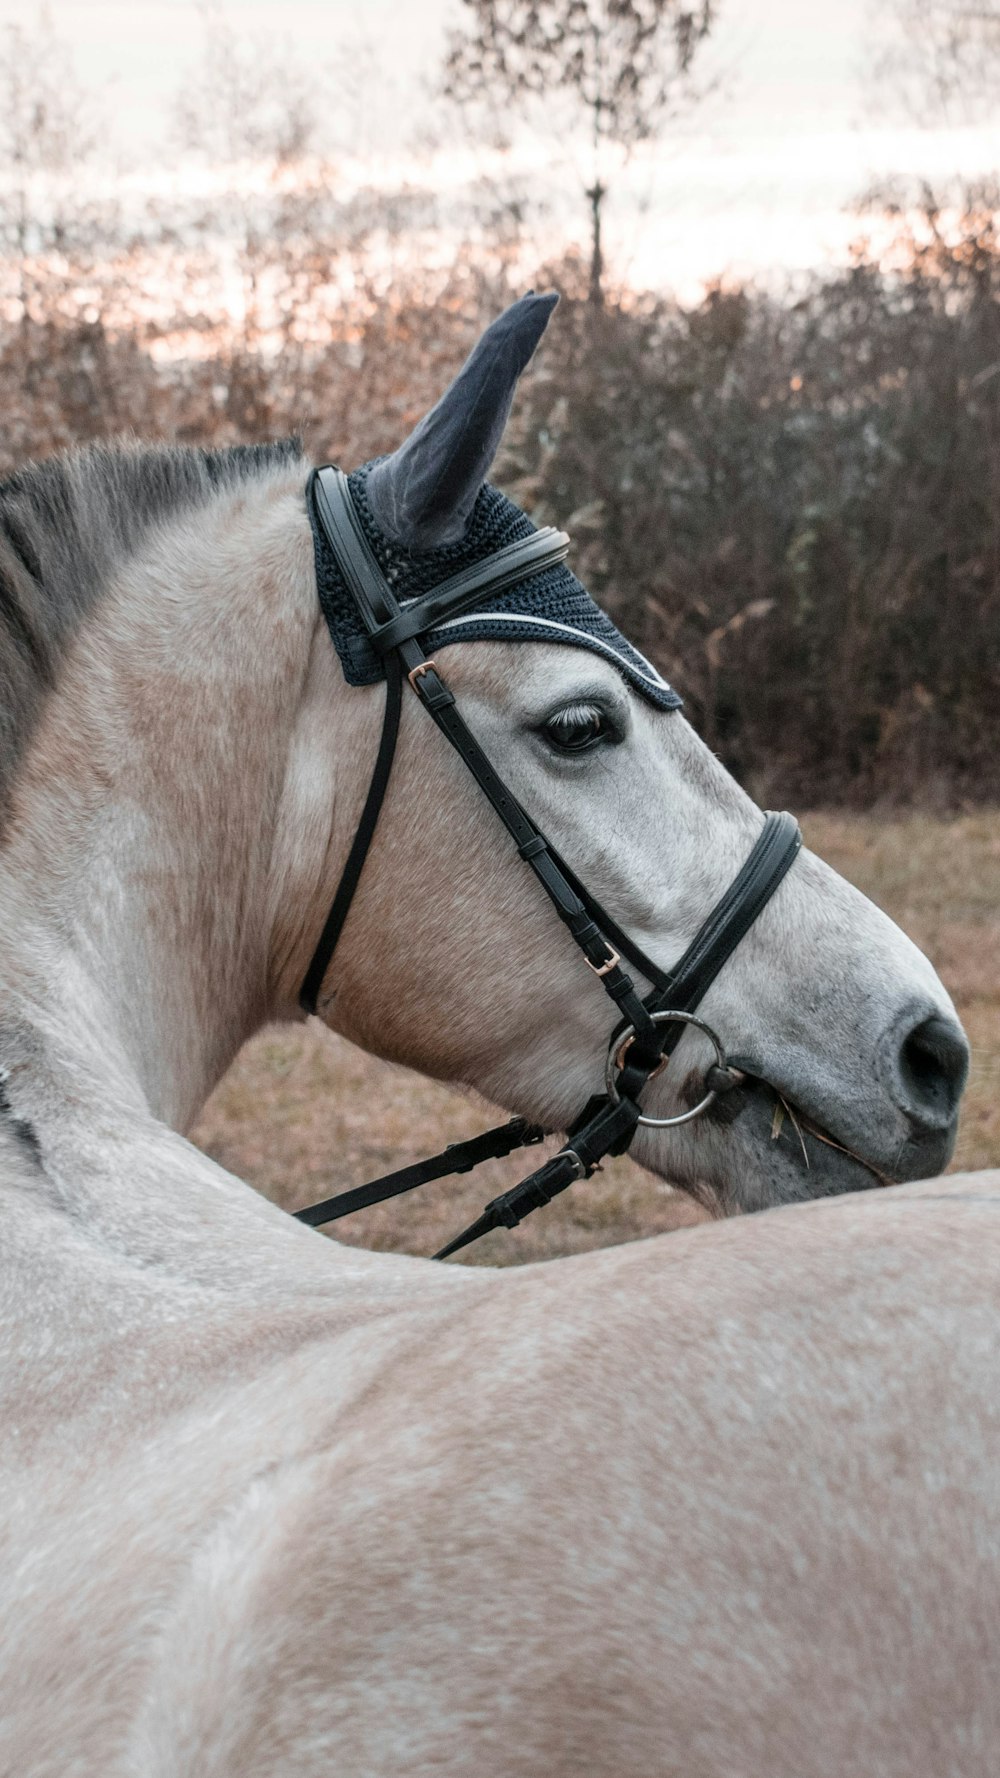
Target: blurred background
768 412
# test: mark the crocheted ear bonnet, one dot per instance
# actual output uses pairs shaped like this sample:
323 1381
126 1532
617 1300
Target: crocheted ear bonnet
428 512
551 606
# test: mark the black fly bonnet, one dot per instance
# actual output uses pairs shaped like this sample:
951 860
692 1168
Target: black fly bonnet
548 604
417 551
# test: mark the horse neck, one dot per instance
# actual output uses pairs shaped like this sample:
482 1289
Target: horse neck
136 879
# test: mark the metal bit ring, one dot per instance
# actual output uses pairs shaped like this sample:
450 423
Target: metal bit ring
621 1043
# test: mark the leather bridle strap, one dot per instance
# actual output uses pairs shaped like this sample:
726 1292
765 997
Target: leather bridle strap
458 1157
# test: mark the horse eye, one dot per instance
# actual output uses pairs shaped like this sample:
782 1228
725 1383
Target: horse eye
577 728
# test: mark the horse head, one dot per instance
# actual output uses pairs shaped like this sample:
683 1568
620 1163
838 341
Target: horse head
849 1062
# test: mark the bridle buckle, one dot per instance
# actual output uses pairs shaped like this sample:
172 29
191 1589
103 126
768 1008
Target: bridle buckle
622 1050
606 967
419 670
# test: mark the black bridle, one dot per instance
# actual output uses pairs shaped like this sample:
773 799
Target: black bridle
647 1030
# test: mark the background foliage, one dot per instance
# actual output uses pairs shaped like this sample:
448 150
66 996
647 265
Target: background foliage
791 503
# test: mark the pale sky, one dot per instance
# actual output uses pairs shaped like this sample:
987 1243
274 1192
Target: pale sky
758 181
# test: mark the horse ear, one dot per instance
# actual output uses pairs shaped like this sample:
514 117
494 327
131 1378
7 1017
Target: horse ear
423 494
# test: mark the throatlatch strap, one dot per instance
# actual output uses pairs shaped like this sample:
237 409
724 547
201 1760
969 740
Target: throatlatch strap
309 992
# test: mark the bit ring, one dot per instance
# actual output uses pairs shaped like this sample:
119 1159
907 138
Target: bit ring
624 1038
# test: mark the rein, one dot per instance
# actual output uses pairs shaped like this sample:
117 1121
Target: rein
647 1029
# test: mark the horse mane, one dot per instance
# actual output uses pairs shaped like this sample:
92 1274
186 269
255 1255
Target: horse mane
66 526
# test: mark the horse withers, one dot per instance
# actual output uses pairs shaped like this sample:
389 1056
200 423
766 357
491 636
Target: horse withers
719 1503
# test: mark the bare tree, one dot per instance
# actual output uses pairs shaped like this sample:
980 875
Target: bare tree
46 132
943 60
250 113
622 66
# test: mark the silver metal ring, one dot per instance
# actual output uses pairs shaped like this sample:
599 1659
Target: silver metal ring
620 1045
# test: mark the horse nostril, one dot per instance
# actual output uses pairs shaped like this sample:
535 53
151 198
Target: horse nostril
933 1068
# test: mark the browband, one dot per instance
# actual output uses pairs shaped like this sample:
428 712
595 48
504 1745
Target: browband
506 568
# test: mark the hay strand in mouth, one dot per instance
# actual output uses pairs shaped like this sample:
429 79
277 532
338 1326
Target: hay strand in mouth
782 1109
821 1136
800 1123
795 1126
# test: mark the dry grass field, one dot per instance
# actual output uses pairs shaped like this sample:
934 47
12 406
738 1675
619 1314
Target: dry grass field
302 1114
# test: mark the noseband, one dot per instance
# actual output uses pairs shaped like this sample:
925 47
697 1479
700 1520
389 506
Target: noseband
647 1029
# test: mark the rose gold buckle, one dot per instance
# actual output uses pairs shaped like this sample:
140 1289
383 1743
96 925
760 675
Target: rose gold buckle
622 1051
419 670
604 968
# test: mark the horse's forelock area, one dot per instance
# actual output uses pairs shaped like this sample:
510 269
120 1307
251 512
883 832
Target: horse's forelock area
66 526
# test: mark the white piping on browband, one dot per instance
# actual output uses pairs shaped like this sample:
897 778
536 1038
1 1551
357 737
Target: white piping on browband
510 617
